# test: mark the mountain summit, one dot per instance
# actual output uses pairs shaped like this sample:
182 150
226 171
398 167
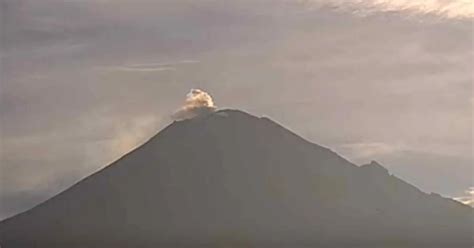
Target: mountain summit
228 178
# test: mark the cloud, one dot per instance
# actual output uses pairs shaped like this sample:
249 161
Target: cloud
144 69
197 102
152 67
467 199
366 150
456 9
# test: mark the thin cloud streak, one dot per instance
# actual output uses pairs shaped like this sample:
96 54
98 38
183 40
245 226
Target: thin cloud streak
151 67
160 64
135 69
453 9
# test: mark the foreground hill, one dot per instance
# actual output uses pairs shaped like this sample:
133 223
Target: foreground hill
231 179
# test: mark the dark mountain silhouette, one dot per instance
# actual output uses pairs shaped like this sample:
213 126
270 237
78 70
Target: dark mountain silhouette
231 179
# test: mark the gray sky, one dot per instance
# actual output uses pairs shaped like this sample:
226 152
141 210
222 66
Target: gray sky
84 81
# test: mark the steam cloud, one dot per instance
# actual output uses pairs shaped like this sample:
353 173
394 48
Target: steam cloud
197 102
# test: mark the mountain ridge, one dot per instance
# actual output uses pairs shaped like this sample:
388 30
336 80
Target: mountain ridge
231 177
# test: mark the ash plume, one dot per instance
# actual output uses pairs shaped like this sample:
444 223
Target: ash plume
197 102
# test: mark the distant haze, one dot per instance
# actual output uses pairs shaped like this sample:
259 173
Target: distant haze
85 81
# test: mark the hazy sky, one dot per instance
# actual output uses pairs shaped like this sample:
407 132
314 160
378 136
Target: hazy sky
84 81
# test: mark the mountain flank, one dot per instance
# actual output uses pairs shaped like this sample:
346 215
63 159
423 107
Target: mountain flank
230 179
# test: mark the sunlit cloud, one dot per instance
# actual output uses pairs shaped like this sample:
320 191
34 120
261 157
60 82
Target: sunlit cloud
368 150
457 9
468 198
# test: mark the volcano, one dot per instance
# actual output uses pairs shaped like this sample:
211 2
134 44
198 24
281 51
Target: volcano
230 179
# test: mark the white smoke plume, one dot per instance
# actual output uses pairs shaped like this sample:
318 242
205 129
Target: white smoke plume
197 102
